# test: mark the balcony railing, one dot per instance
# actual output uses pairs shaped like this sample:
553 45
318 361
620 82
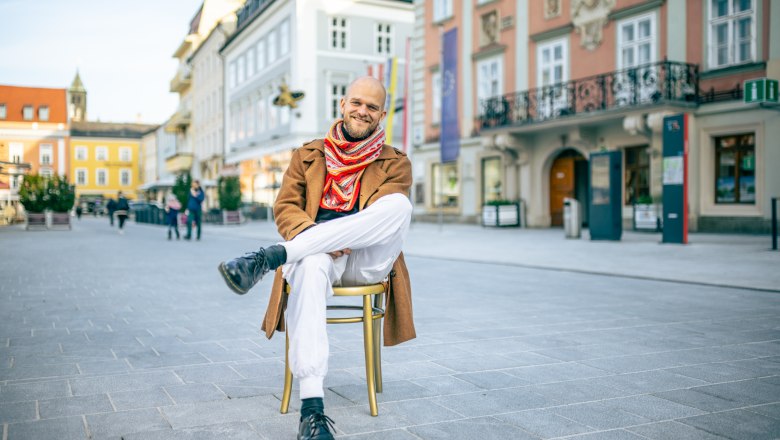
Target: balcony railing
649 84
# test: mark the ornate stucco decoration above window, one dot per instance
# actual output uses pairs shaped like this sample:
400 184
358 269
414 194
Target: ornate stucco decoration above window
552 9
588 18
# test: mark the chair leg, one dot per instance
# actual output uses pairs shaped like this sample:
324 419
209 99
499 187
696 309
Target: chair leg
368 341
378 354
288 377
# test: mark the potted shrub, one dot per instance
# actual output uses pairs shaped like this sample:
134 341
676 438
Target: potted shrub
646 214
230 199
62 196
501 213
35 199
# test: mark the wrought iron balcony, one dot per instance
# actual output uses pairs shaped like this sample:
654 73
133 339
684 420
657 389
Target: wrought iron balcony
646 85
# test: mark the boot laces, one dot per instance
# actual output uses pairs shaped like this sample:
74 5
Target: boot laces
320 424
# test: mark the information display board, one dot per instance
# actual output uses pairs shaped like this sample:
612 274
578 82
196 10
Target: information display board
675 179
606 222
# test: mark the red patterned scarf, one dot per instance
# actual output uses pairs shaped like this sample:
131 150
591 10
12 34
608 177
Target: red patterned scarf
346 162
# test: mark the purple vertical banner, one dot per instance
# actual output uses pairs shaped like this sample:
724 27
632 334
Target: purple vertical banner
450 130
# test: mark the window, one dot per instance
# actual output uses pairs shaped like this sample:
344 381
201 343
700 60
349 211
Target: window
284 38
552 73
637 174
3 111
735 169
636 41
27 112
261 55
125 154
45 153
445 184
338 33
81 176
101 153
46 172
491 179
16 151
241 66
442 9
732 32
489 78
436 94
337 91
124 177
250 62
384 39
272 112
43 113
271 46
101 177
81 152
250 120
261 115
232 75
15 182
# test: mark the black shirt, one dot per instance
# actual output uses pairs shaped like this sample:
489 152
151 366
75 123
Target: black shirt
324 215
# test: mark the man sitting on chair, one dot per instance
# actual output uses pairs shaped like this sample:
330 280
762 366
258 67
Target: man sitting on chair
344 211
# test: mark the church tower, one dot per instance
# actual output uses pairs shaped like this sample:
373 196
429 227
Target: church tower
77 100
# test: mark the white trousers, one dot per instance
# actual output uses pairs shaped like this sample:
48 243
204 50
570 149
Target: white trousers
375 235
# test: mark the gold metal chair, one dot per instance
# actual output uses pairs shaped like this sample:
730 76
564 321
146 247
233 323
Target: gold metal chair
371 338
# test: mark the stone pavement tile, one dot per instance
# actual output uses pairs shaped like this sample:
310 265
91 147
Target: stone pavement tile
208 373
113 339
223 355
737 424
358 420
251 387
528 358
492 380
615 434
152 398
125 422
39 371
221 411
419 412
653 408
391 391
17 412
634 363
649 382
770 410
68 428
540 374
715 373
123 382
760 367
279 427
600 415
34 391
544 423
406 371
397 355
250 370
88 352
747 392
192 393
332 400
227 431
487 428
392 434
697 399
74 406
102 367
444 385
758 349
486 403
775 380
672 430
141 361
576 391
477 363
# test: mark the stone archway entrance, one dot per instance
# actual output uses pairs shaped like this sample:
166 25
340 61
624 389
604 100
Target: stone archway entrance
568 178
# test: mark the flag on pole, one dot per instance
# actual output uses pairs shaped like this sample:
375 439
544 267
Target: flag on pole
450 128
393 80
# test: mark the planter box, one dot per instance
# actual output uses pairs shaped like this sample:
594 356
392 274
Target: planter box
35 220
647 218
501 215
231 218
59 220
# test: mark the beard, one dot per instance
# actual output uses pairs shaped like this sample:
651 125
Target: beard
355 132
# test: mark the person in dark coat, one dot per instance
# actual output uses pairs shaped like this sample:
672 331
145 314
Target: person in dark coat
122 210
194 208
172 208
111 208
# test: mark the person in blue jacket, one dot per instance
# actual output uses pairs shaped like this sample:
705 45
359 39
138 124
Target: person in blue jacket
194 209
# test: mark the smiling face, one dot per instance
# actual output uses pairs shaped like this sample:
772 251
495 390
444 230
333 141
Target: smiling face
363 107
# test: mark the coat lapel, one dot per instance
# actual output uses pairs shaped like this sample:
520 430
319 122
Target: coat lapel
315 179
374 176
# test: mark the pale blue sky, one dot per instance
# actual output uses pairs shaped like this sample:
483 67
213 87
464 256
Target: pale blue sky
123 50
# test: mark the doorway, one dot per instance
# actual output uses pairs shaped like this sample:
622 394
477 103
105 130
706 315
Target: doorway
568 178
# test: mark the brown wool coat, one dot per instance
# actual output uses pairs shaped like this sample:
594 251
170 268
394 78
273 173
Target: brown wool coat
296 207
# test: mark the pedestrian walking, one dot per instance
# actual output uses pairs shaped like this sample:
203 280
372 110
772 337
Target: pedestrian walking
122 210
111 208
194 211
79 211
350 235
172 208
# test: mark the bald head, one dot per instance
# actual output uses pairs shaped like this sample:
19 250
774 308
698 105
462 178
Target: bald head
363 107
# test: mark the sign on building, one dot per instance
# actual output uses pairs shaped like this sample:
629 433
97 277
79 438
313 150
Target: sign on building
760 90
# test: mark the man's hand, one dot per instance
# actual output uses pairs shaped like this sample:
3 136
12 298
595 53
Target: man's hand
337 254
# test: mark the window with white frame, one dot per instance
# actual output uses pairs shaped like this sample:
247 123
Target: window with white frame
261 115
272 112
232 75
81 176
732 32
125 154
101 153
636 41
260 55
442 9
490 78
250 120
27 112
250 62
339 33
271 39
241 66
81 152
337 90
43 113
551 75
3 111
436 96
45 152
125 177
284 115
16 152
101 177
284 38
384 39
46 172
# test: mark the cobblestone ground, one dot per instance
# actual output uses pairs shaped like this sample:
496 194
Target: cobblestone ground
134 337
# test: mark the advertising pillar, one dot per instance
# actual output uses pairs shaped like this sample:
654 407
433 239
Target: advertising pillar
675 179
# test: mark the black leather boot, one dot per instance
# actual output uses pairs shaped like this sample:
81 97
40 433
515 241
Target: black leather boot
317 426
241 273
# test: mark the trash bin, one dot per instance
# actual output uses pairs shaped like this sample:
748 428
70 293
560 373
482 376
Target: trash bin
571 218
